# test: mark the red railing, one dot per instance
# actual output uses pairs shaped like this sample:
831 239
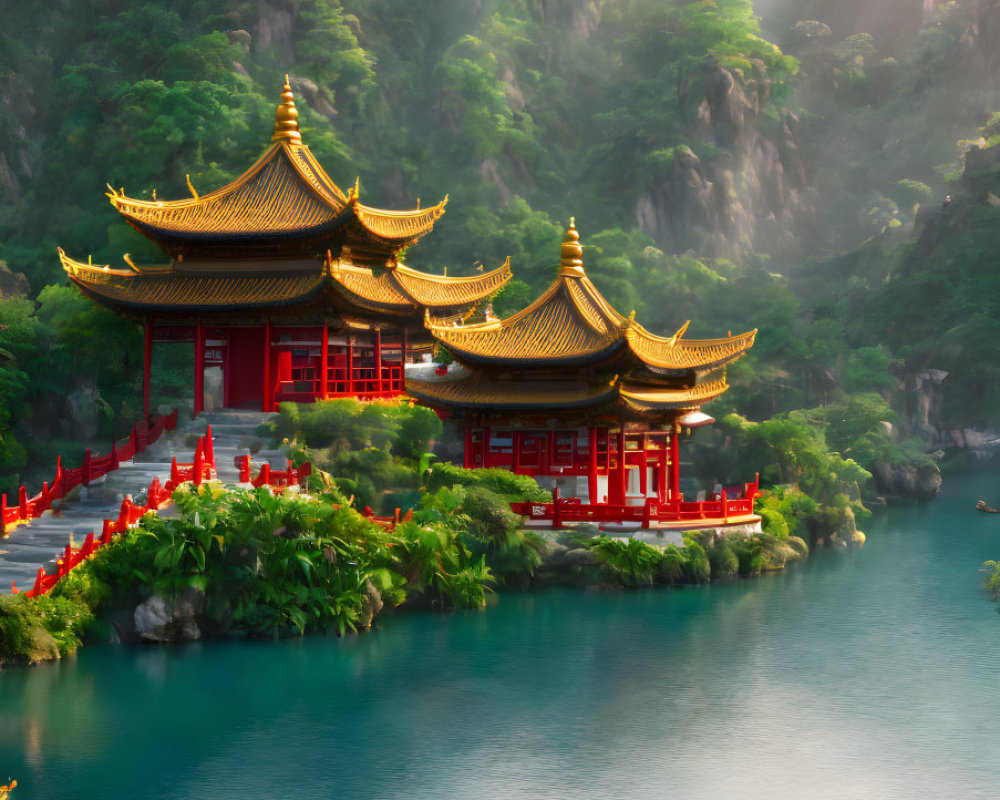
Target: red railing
279 479
94 467
389 523
563 510
291 476
157 496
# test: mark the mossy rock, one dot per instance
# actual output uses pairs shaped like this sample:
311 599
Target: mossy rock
38 646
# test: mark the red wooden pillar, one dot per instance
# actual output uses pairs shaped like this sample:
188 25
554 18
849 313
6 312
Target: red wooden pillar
199 367
467 462
661 472
267 403
378 361
592 468
616 494
324 357
552 451
623 467
227 369
516 441
350 364
643 465
147 363
485 446
675 465
402 354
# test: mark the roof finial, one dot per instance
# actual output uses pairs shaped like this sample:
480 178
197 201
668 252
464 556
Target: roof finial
571 264
286 118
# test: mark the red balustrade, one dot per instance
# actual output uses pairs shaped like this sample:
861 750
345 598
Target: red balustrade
157 496
563 510
278 479
94 467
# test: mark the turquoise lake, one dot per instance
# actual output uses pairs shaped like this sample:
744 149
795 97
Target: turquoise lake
867 674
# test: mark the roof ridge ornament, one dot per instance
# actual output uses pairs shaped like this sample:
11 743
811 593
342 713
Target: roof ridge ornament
680 332
571 264
286 118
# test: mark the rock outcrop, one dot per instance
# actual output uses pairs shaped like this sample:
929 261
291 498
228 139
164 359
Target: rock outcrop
752 200
906 481
170 619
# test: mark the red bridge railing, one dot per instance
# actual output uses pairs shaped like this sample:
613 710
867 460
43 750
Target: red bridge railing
563 510
93 467
157 496
279 479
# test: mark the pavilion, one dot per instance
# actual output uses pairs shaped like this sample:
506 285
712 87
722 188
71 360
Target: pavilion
289 288
570 390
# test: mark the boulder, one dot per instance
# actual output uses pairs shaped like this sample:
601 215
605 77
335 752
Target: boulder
581 556
173 619
907 481
552 552
43 647
12 284
371 606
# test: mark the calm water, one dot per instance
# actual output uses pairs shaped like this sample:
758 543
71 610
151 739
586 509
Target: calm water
866 675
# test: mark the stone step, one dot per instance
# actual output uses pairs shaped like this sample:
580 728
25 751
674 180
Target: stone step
39 544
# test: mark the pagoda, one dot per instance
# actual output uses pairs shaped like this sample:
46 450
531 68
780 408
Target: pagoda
289 288
571 390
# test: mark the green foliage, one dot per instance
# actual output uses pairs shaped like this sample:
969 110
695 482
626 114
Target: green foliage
287 564
511 487
992 581
722 560
372 449
696 567
786 511
29 627
631 561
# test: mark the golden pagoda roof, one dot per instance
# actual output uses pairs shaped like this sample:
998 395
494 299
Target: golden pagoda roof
645 398
286 195
572 324
676 354
399 287
478 391
397 290
136 289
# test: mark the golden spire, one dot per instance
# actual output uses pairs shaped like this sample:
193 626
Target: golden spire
571 264
286 118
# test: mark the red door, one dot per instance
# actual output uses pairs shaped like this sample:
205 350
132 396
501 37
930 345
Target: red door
245 368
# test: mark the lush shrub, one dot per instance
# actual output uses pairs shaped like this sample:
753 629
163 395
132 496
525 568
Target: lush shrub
671 569
347 424
992 582
503 482
489 514
631 561
34 629
697 568
723 560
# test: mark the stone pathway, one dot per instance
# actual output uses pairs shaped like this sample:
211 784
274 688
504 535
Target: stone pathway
29 547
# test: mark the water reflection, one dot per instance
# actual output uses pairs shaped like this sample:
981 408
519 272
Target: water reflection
863 677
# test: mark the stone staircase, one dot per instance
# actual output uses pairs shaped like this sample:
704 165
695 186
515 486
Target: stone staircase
39 544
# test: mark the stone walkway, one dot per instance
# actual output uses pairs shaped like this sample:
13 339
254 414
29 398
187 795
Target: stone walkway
29 547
